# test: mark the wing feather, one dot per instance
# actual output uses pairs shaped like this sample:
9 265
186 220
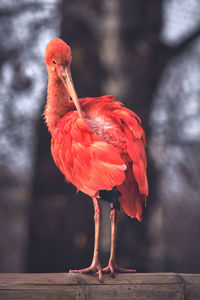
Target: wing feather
85 158
136 143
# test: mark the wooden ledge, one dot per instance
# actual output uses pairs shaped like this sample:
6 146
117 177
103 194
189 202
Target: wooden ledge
64 286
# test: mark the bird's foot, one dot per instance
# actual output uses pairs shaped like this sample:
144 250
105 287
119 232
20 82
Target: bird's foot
113 268
95 267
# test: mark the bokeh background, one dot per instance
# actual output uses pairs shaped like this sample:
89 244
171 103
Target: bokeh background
147 53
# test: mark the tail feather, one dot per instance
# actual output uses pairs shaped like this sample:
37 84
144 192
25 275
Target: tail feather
131 200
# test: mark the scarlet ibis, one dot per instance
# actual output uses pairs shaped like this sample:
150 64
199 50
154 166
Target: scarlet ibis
99 146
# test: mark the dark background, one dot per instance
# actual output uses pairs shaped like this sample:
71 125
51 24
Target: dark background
147 53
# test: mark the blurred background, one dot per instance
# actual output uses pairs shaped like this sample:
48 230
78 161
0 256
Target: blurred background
147 53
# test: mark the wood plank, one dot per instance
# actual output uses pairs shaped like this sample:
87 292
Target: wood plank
192 286
151 286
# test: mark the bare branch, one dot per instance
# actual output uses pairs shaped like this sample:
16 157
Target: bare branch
185 43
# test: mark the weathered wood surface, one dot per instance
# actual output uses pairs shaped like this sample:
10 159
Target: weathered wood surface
63 286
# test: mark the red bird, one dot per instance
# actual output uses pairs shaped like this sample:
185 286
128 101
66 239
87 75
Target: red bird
99 146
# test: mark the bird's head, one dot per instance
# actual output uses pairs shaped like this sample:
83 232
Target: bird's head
57 54
58 61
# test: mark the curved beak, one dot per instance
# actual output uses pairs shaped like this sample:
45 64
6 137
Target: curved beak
64 74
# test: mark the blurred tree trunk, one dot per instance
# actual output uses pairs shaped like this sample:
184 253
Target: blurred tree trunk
131 39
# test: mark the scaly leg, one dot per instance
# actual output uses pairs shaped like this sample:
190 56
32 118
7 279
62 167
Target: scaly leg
112 265
95 265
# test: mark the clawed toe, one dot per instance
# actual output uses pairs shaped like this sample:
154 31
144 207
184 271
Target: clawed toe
94 268
113 268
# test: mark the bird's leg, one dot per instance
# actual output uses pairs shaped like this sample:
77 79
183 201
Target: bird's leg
95 265
112 265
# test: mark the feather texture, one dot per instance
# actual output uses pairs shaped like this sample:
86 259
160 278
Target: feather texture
104 149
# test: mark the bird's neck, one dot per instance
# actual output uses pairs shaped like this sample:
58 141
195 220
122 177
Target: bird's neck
57 102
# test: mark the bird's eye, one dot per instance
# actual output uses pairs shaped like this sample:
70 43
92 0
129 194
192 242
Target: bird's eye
54 62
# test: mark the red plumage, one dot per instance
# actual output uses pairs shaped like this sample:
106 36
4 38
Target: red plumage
98 144
104 149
